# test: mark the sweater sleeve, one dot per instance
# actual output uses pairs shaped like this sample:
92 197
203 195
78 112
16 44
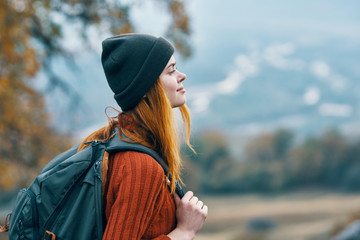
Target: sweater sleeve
136 182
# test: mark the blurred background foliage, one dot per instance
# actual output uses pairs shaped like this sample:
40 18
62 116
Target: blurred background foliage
273 163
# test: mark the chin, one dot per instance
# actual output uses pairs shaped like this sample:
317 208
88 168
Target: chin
178 104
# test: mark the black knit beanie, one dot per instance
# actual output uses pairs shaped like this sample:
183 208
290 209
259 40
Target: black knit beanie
132 63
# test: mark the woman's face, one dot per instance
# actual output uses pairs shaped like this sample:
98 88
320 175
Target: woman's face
172 80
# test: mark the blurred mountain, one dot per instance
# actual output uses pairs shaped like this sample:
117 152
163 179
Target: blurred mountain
287 85
249 90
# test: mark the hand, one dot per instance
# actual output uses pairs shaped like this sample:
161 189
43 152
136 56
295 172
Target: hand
190 214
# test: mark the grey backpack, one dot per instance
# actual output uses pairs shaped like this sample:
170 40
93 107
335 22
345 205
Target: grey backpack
65 200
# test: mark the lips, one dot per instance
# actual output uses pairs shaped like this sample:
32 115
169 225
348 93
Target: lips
181 90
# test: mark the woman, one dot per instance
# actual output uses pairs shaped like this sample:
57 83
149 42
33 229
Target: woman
139 200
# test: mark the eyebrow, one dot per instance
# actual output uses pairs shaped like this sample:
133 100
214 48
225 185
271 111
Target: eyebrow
173 64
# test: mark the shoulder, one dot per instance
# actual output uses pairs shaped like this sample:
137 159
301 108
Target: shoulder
137 162
135 172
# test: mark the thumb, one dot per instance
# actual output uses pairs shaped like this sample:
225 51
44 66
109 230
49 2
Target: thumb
177 199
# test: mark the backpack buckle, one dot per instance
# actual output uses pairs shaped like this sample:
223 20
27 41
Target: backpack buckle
49 235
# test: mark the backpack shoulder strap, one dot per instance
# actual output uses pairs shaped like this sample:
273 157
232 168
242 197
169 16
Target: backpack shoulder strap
116 144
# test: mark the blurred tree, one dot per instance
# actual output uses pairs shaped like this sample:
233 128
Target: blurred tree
350 178
327 161
261 149
29 40
207 170
264 161
272 163
334 149
270 146
304 165
283 142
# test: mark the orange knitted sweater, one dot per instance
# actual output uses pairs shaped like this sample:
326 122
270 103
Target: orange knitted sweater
138 203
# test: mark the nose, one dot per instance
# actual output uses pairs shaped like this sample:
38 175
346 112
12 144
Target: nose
182 77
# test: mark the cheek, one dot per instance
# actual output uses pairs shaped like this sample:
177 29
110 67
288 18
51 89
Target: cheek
170 86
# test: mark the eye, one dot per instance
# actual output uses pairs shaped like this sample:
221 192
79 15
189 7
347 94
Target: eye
173 69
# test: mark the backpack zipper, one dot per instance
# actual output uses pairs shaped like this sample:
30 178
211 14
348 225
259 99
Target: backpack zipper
35 218
98 199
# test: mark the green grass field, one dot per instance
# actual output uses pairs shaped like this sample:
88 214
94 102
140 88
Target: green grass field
297 216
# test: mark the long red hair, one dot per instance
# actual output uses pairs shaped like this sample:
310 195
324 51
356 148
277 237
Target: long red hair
154 126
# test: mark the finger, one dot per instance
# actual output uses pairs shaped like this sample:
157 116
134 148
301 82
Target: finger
177 199
200 204
205 209
188 196
194 200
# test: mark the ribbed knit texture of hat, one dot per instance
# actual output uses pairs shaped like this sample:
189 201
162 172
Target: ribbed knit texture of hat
132 63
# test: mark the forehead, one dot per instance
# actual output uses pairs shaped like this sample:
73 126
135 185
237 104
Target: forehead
171 61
